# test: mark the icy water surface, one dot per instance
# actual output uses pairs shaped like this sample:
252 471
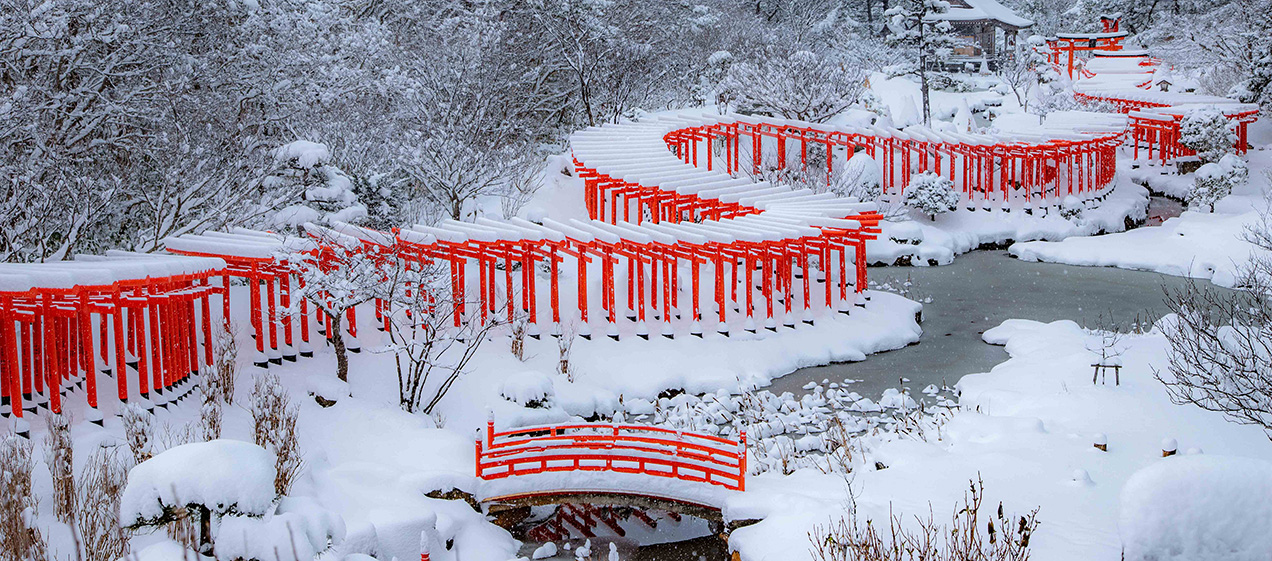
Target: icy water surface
977 292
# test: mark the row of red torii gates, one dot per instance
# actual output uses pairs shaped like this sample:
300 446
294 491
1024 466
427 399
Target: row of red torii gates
679 210
986 169
133 318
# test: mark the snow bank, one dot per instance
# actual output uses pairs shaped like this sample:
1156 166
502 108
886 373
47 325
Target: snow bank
1195 244
922 241
299 531
227 476
1198 508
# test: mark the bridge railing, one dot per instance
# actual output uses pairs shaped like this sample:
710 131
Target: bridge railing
641 449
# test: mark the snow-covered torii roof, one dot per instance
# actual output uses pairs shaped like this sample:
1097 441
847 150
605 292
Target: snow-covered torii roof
983 10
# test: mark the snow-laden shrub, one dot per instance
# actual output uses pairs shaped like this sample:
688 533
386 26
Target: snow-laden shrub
528 389
1198 508
1215 181
1071 208
19 536
1236 168
99 488
274 428
200 480
224 476
861 178
1208 133
932 194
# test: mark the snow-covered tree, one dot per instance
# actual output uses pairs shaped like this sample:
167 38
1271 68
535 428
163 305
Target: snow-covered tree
1029 71
1218 357
203 480
803 85
1216 180
915 26
1208 133
932 194
430 352
326 193
336 276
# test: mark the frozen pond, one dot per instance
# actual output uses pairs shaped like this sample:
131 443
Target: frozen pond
976 292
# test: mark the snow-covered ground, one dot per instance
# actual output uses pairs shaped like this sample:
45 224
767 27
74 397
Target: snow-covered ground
1027 428
1196 244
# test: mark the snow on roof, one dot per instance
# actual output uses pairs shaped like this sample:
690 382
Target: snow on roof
224 475
984 10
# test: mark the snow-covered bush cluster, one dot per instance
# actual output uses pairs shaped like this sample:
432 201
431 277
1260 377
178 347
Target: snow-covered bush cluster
932 194
832 428
1216 180
1206 131
528 389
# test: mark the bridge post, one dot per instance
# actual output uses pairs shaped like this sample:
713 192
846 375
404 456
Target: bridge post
742 460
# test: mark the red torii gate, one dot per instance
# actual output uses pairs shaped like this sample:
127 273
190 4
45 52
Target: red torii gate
1071 43
253 256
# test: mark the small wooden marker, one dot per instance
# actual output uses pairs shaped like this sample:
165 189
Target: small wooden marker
1169 447
1101 442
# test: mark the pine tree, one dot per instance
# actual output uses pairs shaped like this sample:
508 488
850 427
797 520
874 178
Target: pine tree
932 194
1207 132
916 25
326 192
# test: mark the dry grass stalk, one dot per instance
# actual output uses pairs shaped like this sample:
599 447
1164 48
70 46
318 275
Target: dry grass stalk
173 436
225 362
100 486
138 431
519 339
565 343
58 456
1003 538
20 539
210 413
274 419
182 529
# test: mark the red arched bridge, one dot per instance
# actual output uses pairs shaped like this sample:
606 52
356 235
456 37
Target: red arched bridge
642 465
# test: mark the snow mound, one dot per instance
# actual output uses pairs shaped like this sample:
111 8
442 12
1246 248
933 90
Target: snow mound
227 476
1198 508
529 389
298 532
165 550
